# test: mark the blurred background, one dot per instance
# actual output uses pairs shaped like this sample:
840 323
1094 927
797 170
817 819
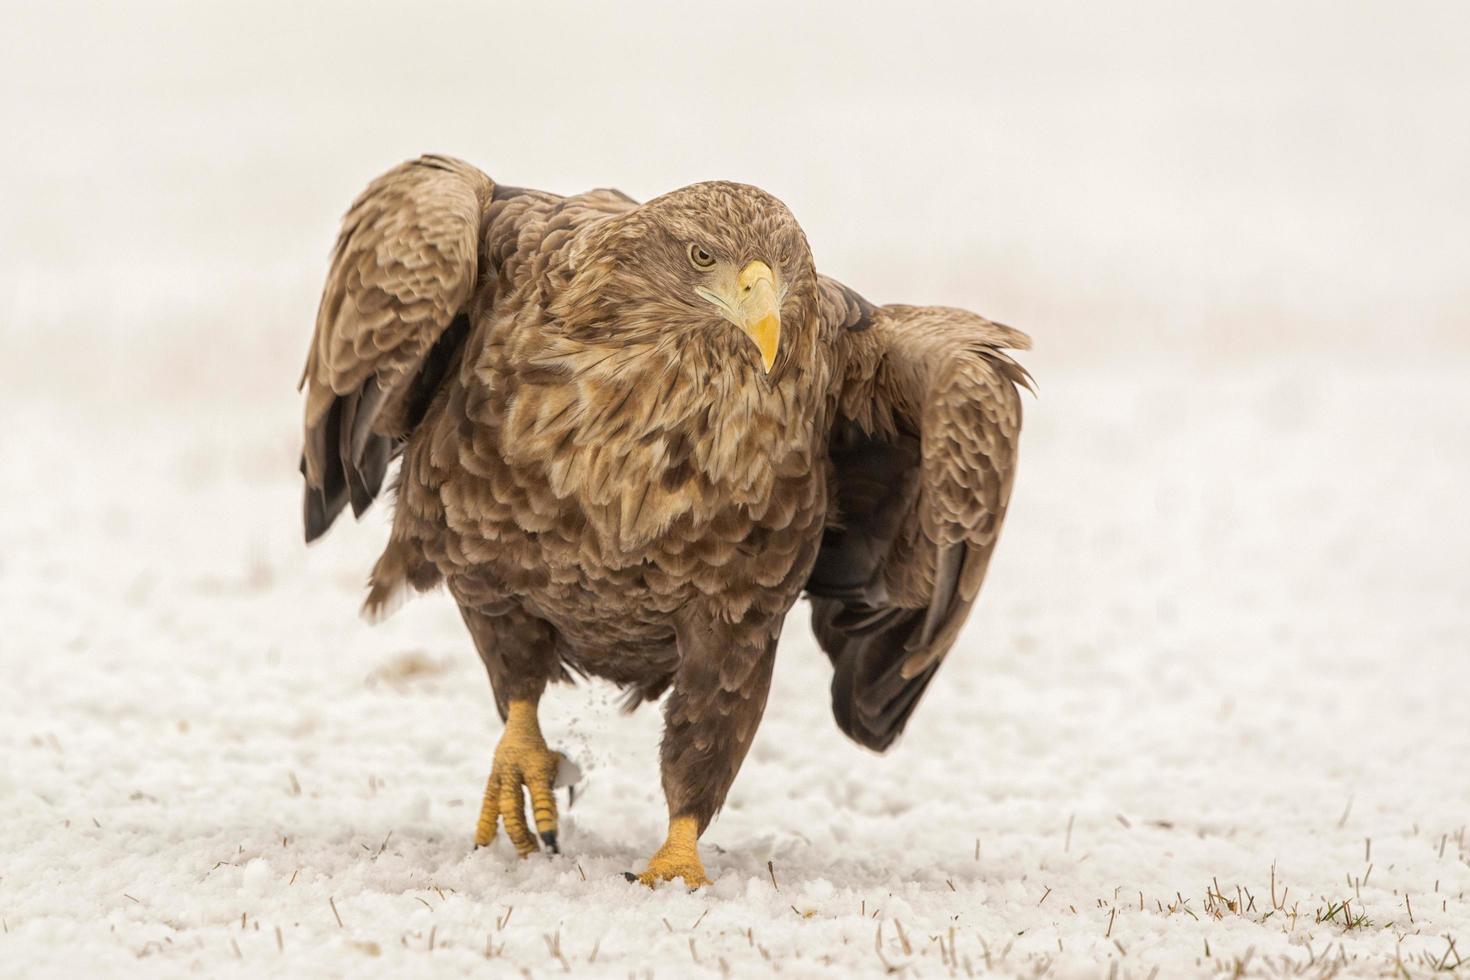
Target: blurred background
1118 179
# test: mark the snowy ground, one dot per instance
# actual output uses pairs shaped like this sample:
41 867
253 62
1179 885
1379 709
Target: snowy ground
1227 638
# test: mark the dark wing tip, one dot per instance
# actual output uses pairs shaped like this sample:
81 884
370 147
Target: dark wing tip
871 700
874 713
321 504
319 510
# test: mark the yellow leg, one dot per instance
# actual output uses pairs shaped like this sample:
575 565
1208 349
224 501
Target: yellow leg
521 759
678 858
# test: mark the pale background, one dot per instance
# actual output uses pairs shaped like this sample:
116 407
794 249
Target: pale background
1228 627
1113 177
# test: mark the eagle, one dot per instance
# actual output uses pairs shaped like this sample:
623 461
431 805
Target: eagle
630 437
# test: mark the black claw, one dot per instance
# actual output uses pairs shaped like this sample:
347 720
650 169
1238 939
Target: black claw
630 876
548 837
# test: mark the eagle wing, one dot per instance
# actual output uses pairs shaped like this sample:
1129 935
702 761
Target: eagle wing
923 452
391 320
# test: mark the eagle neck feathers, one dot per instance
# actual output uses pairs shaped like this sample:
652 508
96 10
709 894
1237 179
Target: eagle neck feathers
648 431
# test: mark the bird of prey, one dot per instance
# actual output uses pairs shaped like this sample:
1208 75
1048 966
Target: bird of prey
631 437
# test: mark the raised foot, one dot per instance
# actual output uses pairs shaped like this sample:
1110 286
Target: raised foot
678 858
521 760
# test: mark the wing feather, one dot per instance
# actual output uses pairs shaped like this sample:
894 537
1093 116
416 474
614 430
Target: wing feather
403 272
924 456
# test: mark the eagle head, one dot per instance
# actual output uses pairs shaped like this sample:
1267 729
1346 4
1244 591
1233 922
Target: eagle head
719 266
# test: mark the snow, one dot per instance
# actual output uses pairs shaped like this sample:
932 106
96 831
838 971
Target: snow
1215 685
1219 639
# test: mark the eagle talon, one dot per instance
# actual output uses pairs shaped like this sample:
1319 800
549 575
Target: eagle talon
678 858
521 760
693 877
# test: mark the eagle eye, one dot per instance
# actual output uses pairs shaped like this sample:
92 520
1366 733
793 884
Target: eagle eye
700 258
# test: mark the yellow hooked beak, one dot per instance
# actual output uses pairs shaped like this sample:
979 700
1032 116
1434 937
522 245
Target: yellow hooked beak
759 310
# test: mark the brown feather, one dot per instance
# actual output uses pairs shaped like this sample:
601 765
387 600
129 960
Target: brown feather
402 270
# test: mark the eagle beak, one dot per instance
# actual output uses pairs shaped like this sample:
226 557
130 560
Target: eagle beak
760 311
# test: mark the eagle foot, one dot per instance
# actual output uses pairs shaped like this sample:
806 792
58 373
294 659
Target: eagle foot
521 760
678 858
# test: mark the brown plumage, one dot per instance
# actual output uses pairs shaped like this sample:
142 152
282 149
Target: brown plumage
633 435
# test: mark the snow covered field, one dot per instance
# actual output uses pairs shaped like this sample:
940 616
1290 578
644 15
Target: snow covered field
1228 632
1209 718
